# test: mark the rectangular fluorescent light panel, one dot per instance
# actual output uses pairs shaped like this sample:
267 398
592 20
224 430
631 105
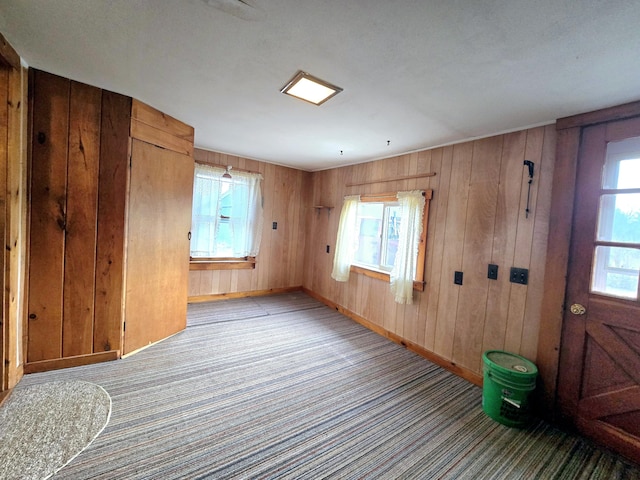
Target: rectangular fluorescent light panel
310 89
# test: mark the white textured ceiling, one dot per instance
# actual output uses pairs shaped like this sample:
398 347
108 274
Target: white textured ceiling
416 73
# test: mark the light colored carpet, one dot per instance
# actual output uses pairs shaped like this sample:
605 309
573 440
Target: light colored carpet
44 427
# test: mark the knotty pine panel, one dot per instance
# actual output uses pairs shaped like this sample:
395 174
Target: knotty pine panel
49 147
16 226
81 224
280 262
477 216
113 175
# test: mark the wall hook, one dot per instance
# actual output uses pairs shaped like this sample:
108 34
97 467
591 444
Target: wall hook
529 164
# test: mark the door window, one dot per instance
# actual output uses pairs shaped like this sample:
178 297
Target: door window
617 253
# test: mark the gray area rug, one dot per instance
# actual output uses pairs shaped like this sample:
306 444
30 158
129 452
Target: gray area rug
44 427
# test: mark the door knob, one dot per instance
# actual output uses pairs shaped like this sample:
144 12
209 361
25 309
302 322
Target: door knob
578 309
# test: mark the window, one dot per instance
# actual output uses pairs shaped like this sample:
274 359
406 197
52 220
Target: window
227 215
384 236
378 227
617 253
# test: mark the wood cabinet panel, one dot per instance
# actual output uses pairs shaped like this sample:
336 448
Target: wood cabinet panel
159 220
157 128
49 147
78 231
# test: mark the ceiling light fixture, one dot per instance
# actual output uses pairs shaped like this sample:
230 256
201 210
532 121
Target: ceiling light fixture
310 89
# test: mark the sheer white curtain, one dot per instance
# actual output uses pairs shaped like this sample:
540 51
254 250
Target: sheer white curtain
346 243
412 211
227 214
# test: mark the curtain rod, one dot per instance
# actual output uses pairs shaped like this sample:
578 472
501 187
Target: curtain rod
396 179
223 167
425 193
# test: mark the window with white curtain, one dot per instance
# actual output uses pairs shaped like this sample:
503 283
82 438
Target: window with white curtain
384 236
227 214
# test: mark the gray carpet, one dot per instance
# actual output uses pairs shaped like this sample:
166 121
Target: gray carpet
44 426
308 393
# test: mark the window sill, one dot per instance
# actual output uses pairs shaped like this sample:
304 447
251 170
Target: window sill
417 286
248 263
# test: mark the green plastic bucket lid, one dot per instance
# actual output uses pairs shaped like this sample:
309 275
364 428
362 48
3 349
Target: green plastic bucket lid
510 362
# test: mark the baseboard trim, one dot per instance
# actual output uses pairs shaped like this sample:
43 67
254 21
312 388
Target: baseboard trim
75 361
4 396
252 293
465 373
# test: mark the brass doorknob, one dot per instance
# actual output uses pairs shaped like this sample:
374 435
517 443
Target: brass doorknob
578 309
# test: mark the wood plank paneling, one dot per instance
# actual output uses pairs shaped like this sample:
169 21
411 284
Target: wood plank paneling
455 222
50 114
477 217
113 177
504 239
4 161
281 260
81 225
478 240
157 128
16 224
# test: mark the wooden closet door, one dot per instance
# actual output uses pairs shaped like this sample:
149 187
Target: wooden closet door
157 264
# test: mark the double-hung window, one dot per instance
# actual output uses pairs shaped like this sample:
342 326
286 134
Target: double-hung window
384 236
227 215
378 230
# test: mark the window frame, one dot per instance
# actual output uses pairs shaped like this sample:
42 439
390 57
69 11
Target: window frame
222 263
392 197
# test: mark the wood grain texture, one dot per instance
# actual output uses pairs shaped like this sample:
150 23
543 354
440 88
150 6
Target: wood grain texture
281 260
556 262
112 188
4 218
8 56
476 217
68 362
157 128
81 226
159 219
50 114
16 247
478 239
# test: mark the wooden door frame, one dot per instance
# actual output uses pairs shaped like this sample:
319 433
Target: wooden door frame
569 131
12 133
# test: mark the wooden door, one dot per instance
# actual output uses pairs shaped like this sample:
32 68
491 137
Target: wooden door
157 264
599 378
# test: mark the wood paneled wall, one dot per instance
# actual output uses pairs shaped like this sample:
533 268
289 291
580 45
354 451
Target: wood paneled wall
79 160
280 263
477 217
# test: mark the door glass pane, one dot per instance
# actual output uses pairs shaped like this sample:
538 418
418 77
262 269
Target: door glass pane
619 218
622 167
616 272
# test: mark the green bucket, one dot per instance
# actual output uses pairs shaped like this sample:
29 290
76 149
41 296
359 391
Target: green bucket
509 380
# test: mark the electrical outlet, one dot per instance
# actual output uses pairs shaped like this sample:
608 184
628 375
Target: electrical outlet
492 272
519 275
457 278
328 249
274 225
